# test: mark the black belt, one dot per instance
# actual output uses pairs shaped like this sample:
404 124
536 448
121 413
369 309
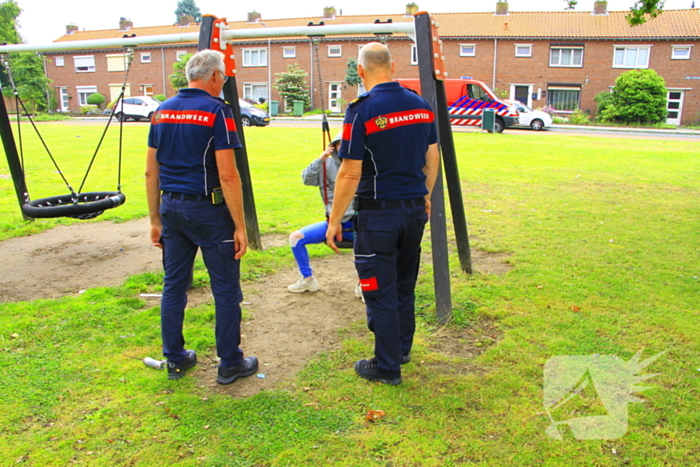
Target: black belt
186 196
365 204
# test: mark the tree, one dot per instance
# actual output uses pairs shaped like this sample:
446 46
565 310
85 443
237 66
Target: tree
640 12
292 86
351 76
31 82
9 11
96 99
179 79
187 8
639 96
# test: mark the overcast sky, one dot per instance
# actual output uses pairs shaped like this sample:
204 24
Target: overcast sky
43 21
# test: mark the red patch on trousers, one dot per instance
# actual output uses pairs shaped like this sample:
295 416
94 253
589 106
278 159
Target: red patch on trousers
369 285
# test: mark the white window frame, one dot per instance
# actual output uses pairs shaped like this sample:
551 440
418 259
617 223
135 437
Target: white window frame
331 52
464 53
248 90
261 53
84 91
146 57
564 88
414 54
523 55
60 60
675 48
629 48
560 48
87 59
289 52
179 54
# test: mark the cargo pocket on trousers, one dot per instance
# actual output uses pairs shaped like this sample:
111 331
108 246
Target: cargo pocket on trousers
366 274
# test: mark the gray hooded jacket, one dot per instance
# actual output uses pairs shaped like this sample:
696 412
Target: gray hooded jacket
313 176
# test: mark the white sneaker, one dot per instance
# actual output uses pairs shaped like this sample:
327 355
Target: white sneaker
309 284
358 292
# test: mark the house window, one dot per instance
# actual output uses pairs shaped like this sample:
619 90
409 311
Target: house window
254 57
414 55
631 56
566 56
83 93
681 52
467 50
84 64
255 91
335 50
289 52
523 50
179 54
59 61
146 57
564 99
116 62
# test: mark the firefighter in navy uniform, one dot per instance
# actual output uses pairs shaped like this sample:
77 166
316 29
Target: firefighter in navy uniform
190 159
389 165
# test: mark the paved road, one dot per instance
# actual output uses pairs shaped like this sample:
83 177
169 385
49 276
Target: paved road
336 123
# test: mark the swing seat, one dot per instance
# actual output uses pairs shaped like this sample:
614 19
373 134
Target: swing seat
81 206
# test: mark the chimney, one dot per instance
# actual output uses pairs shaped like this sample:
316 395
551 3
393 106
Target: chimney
501 8
254 17
125 24
329 12
411 9
71 28
186 20
600 7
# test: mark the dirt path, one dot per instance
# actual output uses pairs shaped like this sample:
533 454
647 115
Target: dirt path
283 330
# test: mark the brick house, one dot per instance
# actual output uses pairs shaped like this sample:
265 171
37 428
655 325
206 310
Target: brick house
562 59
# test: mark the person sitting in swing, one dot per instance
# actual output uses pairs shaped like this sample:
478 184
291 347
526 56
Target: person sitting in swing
321 173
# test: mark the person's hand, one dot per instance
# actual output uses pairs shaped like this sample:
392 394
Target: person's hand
333 233
427 207
240 243
156 234
327 153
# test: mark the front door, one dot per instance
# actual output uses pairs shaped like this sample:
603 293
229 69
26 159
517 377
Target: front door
65 104
334 97
147 90
522 94
674 104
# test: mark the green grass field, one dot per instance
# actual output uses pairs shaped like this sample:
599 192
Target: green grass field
602 235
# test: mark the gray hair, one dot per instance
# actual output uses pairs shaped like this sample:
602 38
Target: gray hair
374 56
204 64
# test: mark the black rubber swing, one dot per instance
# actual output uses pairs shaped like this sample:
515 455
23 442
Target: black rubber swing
77 205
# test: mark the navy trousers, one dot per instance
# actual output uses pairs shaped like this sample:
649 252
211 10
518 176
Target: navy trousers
387 257
187 227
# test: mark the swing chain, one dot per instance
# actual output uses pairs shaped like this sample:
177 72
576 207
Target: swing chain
325 128
8 70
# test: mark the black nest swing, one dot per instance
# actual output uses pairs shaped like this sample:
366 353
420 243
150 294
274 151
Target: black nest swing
75 204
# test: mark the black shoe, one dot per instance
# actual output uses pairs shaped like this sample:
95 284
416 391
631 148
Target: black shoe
367 369
176 370
228 375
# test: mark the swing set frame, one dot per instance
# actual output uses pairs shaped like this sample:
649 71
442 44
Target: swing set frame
214 34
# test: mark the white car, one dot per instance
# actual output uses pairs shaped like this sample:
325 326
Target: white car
535 119
136 108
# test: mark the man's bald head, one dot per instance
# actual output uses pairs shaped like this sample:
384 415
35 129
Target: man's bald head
375 58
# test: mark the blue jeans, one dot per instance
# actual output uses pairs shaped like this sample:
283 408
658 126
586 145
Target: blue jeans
187 227
315 233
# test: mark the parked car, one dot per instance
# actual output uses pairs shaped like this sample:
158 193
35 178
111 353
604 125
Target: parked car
136 108
251 115
535 119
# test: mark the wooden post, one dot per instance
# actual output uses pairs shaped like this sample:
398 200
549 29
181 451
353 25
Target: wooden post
207 30
438 226
16 170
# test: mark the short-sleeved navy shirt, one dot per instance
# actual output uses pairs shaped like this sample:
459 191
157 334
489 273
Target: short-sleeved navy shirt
389 129
186 130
